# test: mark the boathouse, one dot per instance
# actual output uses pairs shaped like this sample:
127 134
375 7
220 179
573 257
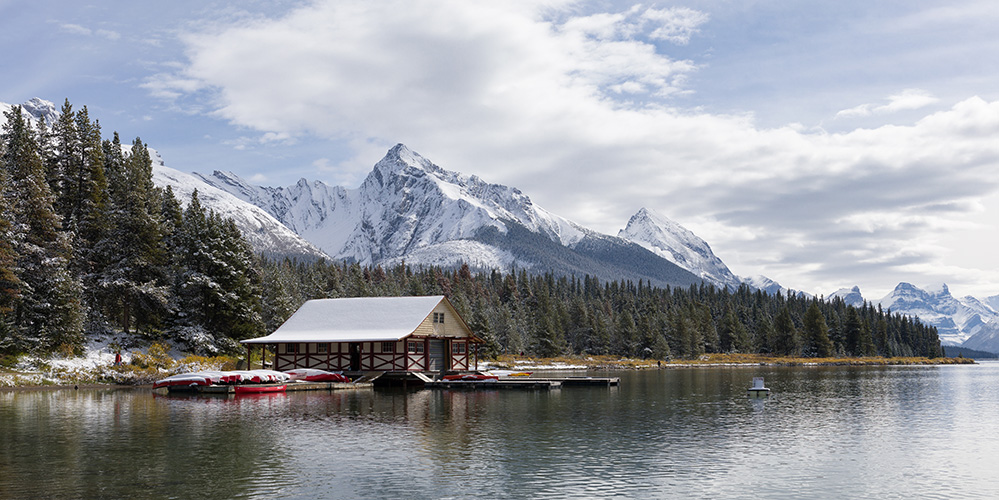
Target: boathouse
410 334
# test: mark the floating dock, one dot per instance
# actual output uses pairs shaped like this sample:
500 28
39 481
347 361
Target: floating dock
511 383
592 381
524 383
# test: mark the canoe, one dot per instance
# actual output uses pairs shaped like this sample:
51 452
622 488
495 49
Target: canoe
259 389
315 375
183 381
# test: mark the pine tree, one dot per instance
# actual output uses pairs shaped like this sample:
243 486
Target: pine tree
130 280
218 286
787 339
733 335
817 341
765 339
857 334
48 313
10 284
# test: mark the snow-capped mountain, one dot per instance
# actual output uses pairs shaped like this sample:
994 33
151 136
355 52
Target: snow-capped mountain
264 233
956 320
405 204
677 244
992 302
764 283
410 209
851 296
987 338
34 110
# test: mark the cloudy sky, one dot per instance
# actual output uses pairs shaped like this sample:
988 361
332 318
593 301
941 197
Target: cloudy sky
823 144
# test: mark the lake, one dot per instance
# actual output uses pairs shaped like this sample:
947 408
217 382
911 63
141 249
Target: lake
833 432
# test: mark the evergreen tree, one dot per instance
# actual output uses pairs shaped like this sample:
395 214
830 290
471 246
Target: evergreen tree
10 284
218 287
765 339
131 282
479 324
733 335
817 341
858 338
48 313
788 341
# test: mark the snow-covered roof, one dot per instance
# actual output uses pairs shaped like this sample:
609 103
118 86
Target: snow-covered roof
361 319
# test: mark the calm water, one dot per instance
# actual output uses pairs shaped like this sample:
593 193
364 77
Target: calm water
884 432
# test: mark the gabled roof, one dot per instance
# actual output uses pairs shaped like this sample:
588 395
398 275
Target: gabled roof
361 319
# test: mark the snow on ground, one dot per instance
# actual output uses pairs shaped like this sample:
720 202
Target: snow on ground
96 364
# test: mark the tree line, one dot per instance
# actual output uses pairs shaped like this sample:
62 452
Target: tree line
550 315
90 246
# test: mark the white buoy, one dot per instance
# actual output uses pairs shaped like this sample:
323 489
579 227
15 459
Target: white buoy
758 389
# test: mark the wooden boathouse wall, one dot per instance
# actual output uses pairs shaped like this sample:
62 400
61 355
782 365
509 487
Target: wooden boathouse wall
411 354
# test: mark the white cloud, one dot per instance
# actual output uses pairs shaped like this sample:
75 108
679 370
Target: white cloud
75 29
906 100
576 111
676 24
110 35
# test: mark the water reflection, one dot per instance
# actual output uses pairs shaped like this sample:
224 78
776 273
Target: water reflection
830 432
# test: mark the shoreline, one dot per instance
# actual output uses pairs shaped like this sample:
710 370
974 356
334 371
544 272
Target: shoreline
708 360
595 363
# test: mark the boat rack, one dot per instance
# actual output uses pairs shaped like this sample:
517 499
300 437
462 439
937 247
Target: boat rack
290 386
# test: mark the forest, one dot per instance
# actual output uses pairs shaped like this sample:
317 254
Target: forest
91 247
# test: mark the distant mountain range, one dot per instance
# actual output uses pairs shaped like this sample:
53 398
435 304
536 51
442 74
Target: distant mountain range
966 322
410 210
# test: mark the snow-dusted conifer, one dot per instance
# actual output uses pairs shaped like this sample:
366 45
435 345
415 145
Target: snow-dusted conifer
132 281
10 284
218 286
47 314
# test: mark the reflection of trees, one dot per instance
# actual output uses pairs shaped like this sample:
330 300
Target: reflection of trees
127 444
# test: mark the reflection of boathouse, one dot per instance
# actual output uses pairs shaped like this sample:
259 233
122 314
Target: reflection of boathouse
373 334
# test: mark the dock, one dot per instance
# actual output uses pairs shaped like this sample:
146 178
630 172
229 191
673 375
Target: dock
587 381
524 383
510 383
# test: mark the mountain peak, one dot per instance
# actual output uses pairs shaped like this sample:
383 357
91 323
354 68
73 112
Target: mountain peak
41 109
400 160
401 156
677 244
851 296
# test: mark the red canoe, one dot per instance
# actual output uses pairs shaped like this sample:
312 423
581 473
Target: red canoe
259 389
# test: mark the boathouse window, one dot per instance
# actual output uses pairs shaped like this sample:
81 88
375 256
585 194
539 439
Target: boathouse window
414 347
323 348
458 348
291 348
439 318
388 346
